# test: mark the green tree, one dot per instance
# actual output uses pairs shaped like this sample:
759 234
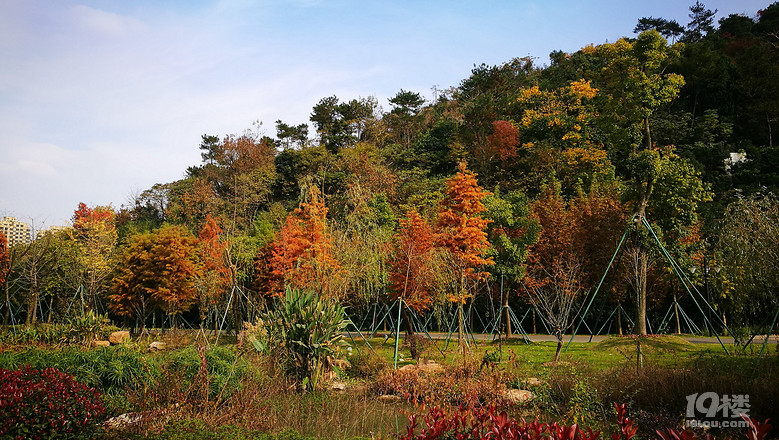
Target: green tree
748 254
511 232
701 22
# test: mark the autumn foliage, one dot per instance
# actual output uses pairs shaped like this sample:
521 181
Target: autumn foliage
157 269
302 256
216 275
462 230
410 272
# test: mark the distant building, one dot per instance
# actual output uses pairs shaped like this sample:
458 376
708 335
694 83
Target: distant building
54 230
15 231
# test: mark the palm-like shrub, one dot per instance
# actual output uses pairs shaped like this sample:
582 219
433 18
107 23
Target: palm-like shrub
305 330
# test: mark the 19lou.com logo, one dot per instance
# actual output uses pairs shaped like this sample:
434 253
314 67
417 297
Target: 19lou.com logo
711 410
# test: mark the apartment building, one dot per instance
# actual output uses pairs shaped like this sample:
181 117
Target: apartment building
15 231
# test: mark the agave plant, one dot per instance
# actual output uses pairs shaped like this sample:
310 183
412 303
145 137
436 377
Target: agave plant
307 330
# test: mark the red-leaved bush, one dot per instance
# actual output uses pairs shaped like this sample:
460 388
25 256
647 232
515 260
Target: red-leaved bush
42 404
480 423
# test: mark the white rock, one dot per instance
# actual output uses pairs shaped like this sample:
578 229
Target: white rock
519 396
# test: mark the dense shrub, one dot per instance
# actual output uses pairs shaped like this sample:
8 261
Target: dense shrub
462 383
486 423
366 364
38 404
225 368
109 369
304 331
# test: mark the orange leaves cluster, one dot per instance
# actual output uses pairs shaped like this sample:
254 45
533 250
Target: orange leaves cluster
504 139
580 233
217 275
302 255
245 153
85 217
410 272
159 267
461 228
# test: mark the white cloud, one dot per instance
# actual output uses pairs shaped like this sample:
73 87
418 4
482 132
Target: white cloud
103 22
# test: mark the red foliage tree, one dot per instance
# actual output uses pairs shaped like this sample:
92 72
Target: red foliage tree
504 140
216 275
409 274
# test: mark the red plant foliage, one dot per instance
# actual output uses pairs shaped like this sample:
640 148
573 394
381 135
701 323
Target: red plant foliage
42 404
480 423
410 274
504 139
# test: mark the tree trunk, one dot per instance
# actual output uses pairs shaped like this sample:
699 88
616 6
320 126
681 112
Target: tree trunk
407 319
619 320
643 267
559 336
32 300
535 331
460 324
647 133
642 260
676 313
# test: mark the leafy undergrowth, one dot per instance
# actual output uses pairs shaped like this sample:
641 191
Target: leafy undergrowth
238 394
487 423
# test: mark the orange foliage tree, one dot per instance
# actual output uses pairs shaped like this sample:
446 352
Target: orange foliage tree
216 276
95 235
410 269
302 255
461 229
577 239
159 268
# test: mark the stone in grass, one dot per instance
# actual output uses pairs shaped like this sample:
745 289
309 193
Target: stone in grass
157 345
518 396
389 398
123 421
338 386
101 343
532 382
120 337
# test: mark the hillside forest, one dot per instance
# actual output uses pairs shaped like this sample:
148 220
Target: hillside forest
514 187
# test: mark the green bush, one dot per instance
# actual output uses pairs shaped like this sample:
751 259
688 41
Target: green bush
108 369
225 367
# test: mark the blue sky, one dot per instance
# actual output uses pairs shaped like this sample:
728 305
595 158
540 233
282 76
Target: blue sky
100 100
